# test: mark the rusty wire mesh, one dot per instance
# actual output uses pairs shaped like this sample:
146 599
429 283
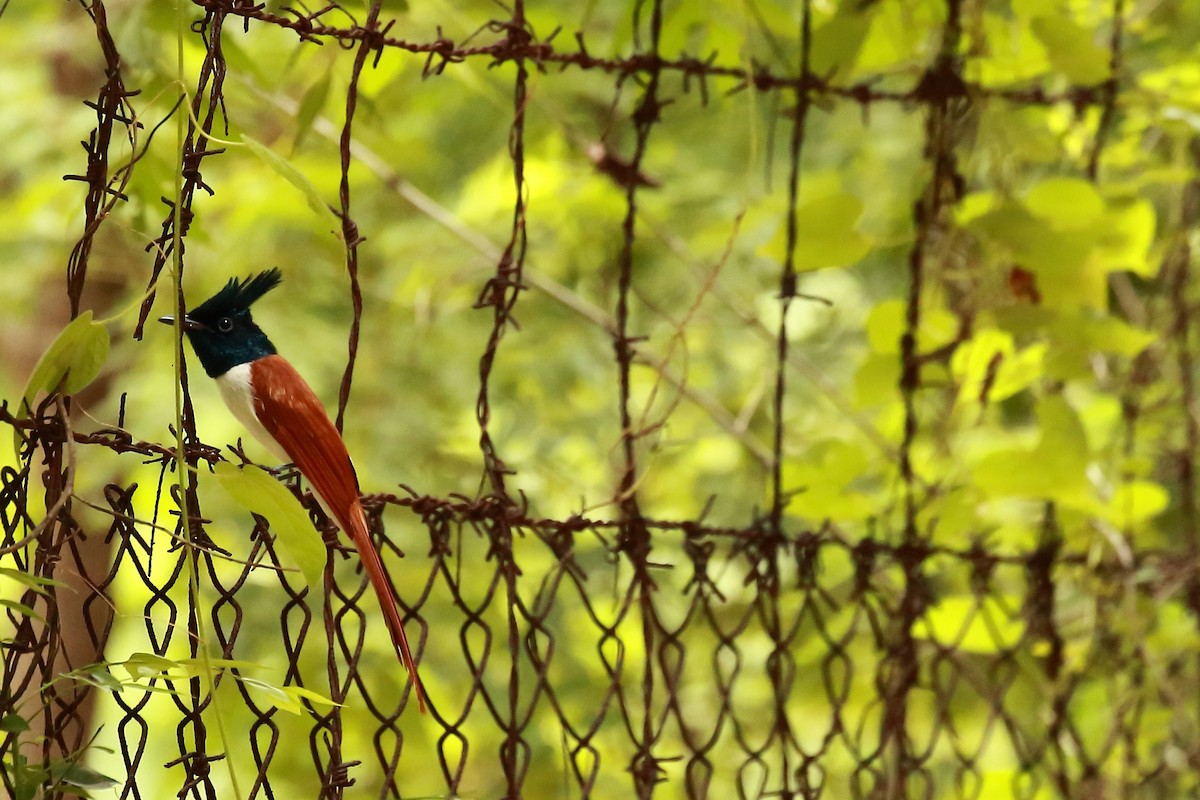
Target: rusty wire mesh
804 636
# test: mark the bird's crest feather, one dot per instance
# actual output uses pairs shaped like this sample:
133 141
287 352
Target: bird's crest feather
238 295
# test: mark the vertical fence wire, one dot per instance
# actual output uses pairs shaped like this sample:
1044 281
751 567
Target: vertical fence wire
644 677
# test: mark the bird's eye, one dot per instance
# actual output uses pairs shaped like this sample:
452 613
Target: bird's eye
225 324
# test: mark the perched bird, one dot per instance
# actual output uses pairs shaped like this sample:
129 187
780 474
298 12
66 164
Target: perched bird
269 397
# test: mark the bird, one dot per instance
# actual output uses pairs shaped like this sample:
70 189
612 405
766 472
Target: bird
275 404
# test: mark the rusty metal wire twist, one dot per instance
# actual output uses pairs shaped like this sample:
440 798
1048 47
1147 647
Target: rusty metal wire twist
676 610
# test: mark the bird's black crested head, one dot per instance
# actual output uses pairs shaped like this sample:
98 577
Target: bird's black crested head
221 330
237 297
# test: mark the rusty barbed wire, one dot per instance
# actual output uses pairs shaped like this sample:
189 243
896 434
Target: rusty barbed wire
821 623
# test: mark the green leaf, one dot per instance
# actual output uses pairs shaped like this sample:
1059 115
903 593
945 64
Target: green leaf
34 583
1137 501
1076 335
893 40
1065 202
259 492
1069 236
970 623
308 694
28 778
287 698
1054 469
72 360
825 234
310 106
281 167
991 360
1105 333
877 380
21 609
887 322
1070 273
98 675
1125 234
823 482
836 44
1014 55
274 695
148 666
192 667
1031 239
1174 628
1071 49
141 666
13 723
81 777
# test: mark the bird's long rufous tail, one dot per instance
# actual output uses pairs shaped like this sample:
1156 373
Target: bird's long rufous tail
377 575
294 421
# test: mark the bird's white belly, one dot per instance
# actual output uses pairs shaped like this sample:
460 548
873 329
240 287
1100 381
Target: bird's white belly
238 394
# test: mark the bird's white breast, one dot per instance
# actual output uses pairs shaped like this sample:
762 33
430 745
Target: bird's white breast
237 390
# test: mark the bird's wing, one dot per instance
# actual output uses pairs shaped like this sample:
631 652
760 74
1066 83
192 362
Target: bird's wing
292 414
295 418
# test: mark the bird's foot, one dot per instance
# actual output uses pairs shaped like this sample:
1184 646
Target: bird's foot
237 450
334 543
286 473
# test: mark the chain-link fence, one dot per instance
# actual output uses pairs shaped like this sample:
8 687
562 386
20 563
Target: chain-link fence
635 655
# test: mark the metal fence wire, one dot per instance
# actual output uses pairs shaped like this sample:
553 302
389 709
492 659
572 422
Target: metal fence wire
775 659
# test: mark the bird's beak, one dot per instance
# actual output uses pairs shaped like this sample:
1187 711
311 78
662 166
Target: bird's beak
189 324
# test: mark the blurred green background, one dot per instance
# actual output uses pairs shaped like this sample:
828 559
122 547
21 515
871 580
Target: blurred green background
1060 305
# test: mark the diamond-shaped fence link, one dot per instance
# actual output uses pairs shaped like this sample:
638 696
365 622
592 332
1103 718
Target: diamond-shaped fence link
637 656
